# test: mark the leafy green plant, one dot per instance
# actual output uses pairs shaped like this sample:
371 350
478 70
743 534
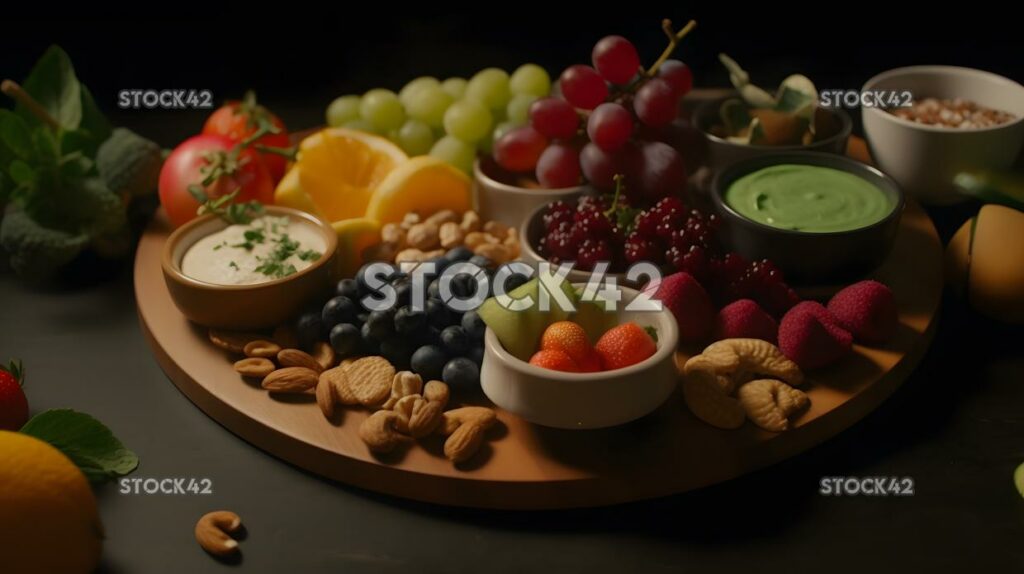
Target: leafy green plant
66 175
86 441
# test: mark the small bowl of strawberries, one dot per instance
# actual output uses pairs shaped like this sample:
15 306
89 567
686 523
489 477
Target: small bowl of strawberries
591 368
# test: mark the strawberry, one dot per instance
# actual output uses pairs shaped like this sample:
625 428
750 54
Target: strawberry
568 337
625 345
13 404
690 304
555 360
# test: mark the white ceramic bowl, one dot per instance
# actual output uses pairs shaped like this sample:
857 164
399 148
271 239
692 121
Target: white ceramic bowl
509 204
585 400
924 159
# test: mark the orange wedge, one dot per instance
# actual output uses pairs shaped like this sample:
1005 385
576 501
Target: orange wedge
423 185
336 172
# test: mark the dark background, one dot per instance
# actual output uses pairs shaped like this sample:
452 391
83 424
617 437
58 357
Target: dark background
298 66
956 427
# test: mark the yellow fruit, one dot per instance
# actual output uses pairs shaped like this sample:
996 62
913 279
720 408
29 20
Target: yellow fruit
354 236
48 516
423 185
337 171
985 260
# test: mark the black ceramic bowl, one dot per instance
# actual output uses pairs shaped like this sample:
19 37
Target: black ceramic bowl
810 258
722 152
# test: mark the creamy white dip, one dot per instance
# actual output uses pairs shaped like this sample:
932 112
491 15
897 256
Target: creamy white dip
266 249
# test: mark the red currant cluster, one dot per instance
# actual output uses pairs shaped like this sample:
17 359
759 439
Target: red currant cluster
615 100
668 234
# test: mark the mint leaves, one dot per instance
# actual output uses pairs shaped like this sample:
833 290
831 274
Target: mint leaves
68 176
86 441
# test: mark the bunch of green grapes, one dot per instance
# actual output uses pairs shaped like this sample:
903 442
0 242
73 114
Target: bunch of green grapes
451 120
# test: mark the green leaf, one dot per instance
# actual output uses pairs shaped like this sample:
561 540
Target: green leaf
94 123
53 84
15 134
86 441
22 173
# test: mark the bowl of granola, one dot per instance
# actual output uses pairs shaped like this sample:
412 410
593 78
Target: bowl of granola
951 120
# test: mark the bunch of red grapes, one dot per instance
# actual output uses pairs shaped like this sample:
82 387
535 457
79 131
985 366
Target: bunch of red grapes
616 99
668 234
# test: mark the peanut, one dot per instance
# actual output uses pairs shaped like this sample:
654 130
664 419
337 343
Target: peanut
470 222
393 234
496 228
442 217
495 252
451 235
475 239
261 348
254 367
424 236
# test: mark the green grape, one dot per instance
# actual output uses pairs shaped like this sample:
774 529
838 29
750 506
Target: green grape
502 129
415 137
530 79
456 152
489 87
455 86
467 120
518 110
342 110
382 108
412 88
429 105
361 125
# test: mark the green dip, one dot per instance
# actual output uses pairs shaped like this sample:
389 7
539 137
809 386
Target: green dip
808 198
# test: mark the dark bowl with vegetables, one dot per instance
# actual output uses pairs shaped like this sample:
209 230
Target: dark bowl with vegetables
276 300
832 135
821 218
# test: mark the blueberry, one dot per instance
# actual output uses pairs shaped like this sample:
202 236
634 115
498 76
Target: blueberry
348 288
345 339
476 354
403 291
380 324
428 361
434 290
455 340
515 280
338 310
367 344
463 285
361 318
437 314
473 325
429 335
461 373
408 321
397 351
457 254
309 329
481 261
361 278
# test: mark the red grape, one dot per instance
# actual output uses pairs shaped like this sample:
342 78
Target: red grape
599 167
519 149
610 126
678 75
558 167
554 117
616 59
656 103
662 171
583 87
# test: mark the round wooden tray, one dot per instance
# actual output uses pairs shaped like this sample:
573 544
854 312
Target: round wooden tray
525 466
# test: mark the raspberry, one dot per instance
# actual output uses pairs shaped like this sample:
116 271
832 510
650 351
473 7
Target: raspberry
591 252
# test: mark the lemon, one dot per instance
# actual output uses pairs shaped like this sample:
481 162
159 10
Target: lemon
48 516
354 236
423 185
336 172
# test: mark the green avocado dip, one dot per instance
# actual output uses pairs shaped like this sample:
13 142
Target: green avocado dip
808 198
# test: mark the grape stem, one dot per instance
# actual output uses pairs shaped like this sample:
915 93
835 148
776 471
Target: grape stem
673 41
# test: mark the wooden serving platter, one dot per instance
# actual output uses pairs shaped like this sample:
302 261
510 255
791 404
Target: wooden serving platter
525 466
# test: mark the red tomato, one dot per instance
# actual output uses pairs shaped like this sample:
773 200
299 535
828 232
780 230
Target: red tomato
240 119
182 168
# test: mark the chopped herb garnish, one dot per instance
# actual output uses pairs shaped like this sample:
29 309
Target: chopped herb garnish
224 206
233 265
309 255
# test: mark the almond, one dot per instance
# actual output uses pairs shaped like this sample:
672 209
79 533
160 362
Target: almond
297 358
262 348
290 380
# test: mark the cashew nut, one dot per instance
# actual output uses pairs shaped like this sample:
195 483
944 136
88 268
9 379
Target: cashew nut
769 403
213 529
379 432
